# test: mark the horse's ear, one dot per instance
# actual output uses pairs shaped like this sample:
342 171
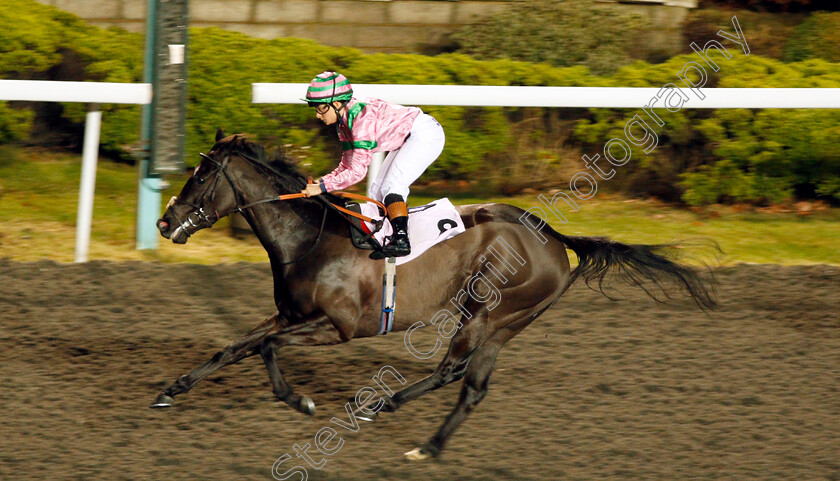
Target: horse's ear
219 135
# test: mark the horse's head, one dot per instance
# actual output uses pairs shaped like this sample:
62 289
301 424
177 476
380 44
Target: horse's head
208 195
233 176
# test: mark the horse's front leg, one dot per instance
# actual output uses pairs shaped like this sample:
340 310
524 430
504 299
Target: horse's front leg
245 347
319 331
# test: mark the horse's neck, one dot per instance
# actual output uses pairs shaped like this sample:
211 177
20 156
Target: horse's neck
284 228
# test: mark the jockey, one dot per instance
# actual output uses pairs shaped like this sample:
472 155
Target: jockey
413 139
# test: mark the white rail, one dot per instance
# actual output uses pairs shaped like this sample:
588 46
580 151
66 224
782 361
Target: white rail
87 92
581 97
90 92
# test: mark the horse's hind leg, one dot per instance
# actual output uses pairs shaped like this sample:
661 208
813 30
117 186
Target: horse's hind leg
452 367
245 347
475 388
318 332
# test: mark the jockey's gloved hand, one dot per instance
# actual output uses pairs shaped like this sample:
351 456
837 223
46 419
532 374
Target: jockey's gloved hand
314 189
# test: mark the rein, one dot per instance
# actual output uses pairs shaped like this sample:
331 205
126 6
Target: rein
298 195
345 195
204 218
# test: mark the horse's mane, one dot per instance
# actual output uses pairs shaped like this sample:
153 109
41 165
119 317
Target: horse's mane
277 166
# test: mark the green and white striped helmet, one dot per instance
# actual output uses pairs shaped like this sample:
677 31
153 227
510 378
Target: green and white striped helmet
328 87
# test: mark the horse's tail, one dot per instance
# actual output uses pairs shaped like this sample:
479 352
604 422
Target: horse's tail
639 265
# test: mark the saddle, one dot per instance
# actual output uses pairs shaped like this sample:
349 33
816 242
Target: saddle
360 234
427 225
432 223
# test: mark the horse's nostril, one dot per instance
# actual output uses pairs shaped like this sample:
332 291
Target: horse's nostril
162 224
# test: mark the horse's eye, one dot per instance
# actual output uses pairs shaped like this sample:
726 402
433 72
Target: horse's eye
200 180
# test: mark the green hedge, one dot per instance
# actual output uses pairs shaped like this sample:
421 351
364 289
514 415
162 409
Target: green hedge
776 151
816 37
772 153
44 43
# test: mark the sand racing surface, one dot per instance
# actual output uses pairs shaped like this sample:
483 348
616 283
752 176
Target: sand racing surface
593 389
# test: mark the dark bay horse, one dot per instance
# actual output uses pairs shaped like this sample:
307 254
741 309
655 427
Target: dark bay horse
328 292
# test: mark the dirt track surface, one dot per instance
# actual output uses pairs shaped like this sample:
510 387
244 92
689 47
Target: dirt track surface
594 389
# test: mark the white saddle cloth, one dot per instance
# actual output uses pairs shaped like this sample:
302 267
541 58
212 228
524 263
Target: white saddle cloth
427 225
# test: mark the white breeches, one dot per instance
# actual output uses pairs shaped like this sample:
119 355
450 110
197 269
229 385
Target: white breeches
403 166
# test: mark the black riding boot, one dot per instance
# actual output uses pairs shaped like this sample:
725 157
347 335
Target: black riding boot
396 244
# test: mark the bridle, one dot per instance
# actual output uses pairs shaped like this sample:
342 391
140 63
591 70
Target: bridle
198 217
202 217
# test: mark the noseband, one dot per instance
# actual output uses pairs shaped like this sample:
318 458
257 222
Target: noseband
199 217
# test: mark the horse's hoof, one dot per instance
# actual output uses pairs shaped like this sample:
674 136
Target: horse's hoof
162 401
418 454
307 405
366 416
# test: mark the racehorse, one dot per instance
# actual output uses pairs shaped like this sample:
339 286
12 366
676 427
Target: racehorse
329 292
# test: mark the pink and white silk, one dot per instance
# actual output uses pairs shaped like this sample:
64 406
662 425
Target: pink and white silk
366 126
